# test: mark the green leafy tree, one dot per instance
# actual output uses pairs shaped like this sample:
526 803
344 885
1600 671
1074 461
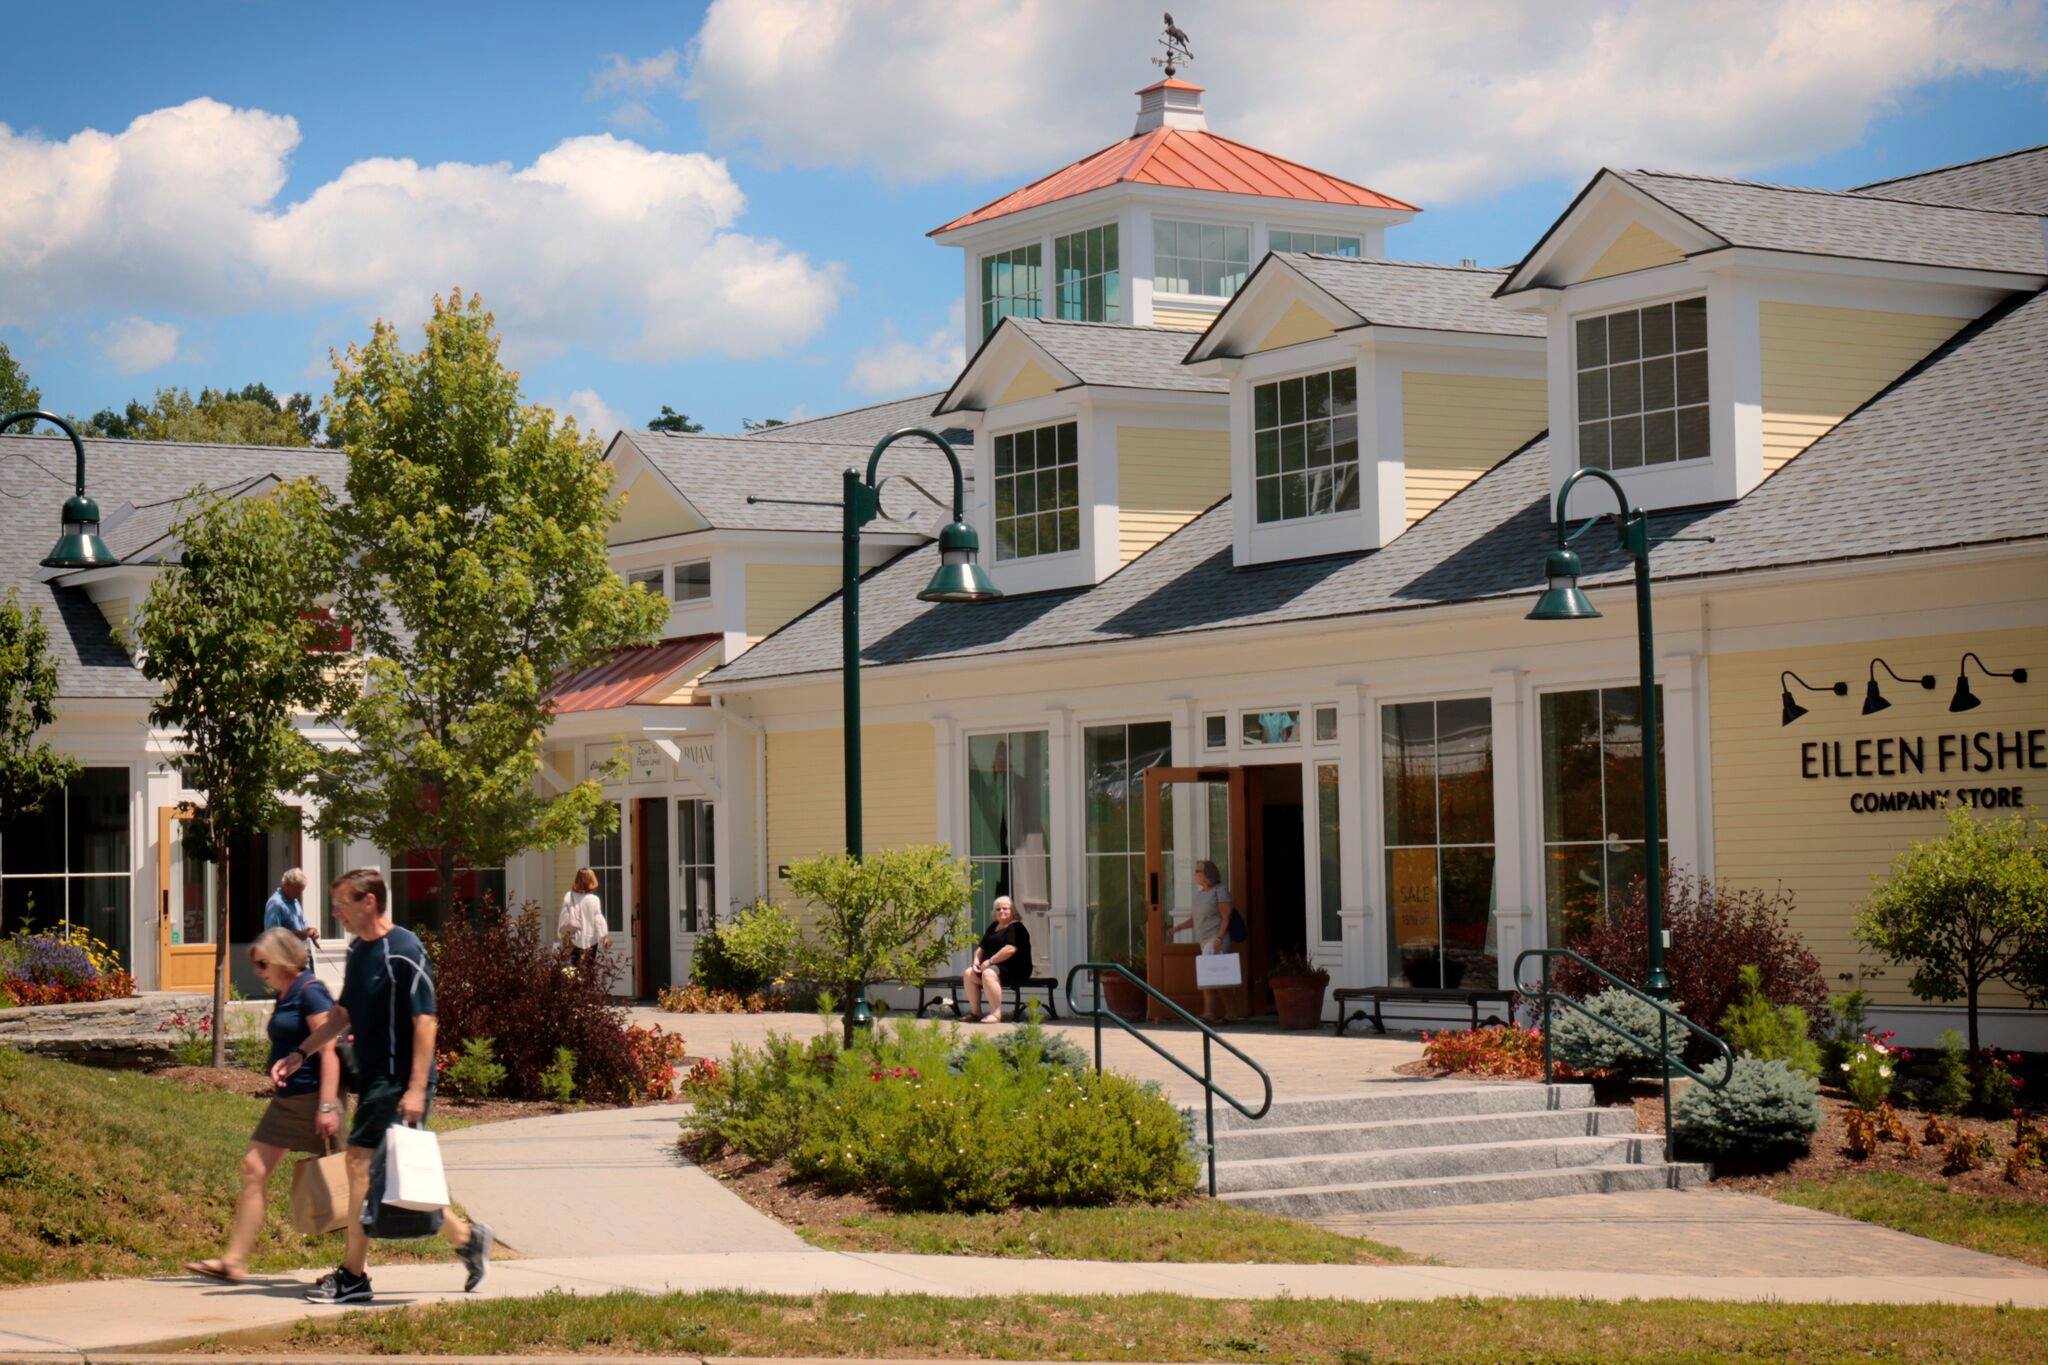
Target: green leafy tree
1966 910
30 770
891 915
249 416
760 423
16 393
233 637
673 422
477 572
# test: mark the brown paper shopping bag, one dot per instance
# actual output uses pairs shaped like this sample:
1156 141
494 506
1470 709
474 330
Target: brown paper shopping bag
320 1201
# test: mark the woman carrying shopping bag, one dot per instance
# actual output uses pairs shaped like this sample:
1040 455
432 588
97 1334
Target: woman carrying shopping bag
582 923
304 1115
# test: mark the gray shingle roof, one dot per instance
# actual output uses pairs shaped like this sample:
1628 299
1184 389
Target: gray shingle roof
1118 355
2015 180
139 482
1438 298
718 473
1907 472
865 426
1842 223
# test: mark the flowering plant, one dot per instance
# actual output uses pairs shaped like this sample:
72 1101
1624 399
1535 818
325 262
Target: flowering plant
894 1073
1496 1050
657 1056
1868 1070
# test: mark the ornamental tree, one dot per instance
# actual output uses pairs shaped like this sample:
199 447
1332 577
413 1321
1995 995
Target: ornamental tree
1967 909
234 638
476 573
30 770
891 915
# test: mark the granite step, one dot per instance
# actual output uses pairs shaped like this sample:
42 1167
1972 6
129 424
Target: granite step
1383 1196
1437 1162
1328 1139
1396 1100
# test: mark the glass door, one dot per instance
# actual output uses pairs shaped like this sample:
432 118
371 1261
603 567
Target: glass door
187 899
1192 816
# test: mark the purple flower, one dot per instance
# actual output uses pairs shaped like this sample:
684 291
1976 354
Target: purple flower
46 960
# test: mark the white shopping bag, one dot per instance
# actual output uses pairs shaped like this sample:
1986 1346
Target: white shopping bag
413 1178
1216 971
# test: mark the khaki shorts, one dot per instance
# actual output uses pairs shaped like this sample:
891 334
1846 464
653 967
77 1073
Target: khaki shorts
288 1121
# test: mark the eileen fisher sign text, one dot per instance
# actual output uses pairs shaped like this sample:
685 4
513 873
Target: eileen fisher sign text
1955 753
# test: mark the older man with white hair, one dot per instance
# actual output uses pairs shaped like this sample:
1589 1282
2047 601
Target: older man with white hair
286 907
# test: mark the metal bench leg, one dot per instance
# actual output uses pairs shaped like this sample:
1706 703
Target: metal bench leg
1475 1011
1379 1024
1052 1011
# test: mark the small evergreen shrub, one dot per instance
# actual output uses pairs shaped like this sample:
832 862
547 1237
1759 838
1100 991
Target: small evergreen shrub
1585 1045
1028 1040
1951 1075
1845 1028
475 1073
1755 1027
1766 1110
558 1082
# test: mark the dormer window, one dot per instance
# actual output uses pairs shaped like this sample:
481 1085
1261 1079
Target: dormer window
1208 259
1642 385
1086 275
1321 243
692 581
1038 492
1305 445
1010 286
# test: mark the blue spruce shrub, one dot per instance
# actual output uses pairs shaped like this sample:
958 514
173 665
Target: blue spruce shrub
1584 1045
1766 1110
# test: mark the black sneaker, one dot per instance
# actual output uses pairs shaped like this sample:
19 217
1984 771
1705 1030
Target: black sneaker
340 1286
476 1255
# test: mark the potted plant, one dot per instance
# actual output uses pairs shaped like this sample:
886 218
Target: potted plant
1298 986
1120 994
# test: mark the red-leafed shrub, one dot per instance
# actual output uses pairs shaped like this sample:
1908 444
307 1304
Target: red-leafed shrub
1496 1050
657 1057
497 977
106 986
1716 930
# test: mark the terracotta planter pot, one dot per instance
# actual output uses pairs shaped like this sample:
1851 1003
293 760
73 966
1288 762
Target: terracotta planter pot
1123 997
1299 1000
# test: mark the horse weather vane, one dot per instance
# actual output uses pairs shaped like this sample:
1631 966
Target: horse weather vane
1178 53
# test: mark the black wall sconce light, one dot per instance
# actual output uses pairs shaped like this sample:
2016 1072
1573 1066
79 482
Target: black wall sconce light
1965 699
1874 700
1792 710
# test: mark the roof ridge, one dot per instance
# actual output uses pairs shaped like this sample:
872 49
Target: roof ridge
750 437
1086 322
1953 166
1852 196
845 412
1405 265
150 441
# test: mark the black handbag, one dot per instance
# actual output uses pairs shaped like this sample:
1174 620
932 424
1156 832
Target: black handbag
391 1223
1238 930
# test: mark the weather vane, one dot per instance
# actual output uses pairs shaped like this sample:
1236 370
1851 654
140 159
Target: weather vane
1178 53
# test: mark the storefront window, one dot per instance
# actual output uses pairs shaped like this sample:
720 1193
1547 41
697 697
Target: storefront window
696 872
68 862
1113 763
1329 862
1437 779
608 861
415 884
1592 805
1007 820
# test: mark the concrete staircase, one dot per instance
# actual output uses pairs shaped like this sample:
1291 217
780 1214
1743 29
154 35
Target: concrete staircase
1424 1145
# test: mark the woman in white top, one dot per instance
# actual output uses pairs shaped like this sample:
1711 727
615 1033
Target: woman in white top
582 924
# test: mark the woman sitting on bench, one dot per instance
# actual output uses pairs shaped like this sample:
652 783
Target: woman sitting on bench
1002 959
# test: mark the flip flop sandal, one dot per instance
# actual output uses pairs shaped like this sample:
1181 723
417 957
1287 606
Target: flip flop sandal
216 1269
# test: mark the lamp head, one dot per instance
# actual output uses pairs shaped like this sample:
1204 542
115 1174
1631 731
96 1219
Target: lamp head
1789 710
1964 699
1563 600
1873 700
80 546
959 578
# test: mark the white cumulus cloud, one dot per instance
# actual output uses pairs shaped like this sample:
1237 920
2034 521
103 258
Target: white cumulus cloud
1428 102
137 344
896 365
595 415
599 242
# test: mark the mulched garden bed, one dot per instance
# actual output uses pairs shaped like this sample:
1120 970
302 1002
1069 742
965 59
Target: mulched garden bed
1828 1158
771 1187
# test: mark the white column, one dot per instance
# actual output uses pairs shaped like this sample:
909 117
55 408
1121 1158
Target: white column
1683 775
1365 930
1355 843
1065 931
1514 866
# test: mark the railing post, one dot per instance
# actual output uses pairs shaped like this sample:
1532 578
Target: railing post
1546 1020
1095 983
1664 1065
1209 1103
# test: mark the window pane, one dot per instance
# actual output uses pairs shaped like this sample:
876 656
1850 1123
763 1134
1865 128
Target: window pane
1293 497
1347 488
1467 900
1625 389
1326 725
988 795
1660 438
1592 394
1270 727
1689 319
33 841
1464 748
1593 444
1344 390
1106 788
1237 245
1624 337
1267 446
1266 405
1691 386
1316 388
1625 435
1572 892
1162 237
1657 330
1269 499
1412 912
1212 242
98 833
1293 448
1571 766
1408 762
1658 384
1692 433
1291 400
1592 341
1318 444
1329 860
31 903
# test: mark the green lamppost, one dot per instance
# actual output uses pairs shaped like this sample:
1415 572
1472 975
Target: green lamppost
959 578
78 545
1562 600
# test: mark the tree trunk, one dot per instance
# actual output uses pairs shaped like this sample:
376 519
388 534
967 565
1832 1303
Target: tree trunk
444 887
1971 995
220 964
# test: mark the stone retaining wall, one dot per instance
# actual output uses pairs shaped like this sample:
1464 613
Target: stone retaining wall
139 1025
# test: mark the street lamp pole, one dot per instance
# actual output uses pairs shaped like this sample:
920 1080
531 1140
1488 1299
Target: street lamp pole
78 545
1562 600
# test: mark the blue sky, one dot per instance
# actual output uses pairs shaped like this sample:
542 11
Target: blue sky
180 257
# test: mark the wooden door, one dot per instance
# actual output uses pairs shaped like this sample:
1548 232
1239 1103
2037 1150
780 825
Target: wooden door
651 928
187 910
1170 963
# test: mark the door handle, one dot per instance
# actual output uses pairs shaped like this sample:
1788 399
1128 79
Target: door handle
1152 888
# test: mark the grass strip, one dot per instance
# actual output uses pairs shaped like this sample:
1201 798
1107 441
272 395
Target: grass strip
1189 1232
2015 1228
1165 1327
114 1173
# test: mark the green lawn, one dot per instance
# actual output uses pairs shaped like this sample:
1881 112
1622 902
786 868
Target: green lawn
2016 1228
114 1173
1165 1327
1191 1232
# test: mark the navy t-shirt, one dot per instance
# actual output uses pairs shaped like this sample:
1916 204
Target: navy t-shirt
385 987
288 1029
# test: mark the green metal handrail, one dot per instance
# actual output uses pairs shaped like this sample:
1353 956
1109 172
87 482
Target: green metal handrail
1210 1090
1667 1059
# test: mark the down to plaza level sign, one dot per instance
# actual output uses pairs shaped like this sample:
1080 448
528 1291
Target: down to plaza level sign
1981 769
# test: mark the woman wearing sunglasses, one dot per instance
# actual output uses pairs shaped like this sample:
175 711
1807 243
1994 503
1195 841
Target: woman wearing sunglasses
305 1113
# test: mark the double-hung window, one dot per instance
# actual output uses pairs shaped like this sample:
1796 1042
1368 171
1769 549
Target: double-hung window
1038 492
1642 385
1010 286
696 859
1321 243
1209 259
1085 275
1009 807
1305 445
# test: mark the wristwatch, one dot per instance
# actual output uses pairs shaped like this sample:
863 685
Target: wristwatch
330 1109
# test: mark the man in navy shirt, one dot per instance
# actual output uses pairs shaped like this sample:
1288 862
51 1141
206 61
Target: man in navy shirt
387 997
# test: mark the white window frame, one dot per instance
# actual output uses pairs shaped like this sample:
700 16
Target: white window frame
1111 277
675 582
986 300
1705 406
1357 251
997 479
1201 258
1356 462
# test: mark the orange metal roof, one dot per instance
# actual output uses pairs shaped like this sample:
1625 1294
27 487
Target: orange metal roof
1183 158
627 676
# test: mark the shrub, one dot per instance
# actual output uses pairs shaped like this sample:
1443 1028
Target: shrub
497 977
696 999
61 966
1027 1042
1951 1075
194 1044
657 1056
1998 1090
1868 1127
558 1082
1766 1110
1715 931
705 1078
107 986
891 916
1755 1027
1585 1045
1845 1027
476 1073
748 953
1869 1072
1495 1050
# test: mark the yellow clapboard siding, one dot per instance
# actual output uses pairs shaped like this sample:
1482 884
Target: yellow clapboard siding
1772 826
1820 364
1165 478
1033 381
807 798
1187 319
1455 427
779 593
1298 324
1638 248
648 510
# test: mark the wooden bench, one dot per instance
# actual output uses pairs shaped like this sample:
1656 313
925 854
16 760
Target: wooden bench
945 990
1471 996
